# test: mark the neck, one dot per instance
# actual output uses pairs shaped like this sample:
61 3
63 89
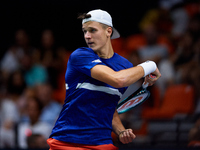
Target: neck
106 52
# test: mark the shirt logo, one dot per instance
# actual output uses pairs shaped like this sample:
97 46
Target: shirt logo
96 61
67 87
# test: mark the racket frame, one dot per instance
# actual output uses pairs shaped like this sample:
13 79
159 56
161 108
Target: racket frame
137 93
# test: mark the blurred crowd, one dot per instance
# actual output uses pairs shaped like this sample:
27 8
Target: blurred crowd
170 36
32 90
32 84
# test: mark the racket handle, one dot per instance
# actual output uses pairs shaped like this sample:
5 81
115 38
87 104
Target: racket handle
145 85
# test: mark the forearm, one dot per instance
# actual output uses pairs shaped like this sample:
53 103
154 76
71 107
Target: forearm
129 76
125 135
117 124
118 79
125 77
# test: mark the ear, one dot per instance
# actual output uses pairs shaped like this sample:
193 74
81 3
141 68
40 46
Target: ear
109 31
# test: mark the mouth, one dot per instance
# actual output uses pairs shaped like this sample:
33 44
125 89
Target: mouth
90 44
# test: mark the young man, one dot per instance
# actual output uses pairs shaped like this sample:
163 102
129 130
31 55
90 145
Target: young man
96 78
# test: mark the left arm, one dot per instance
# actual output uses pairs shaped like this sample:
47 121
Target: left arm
125 135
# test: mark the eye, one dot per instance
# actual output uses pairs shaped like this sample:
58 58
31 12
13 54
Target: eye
84 31
92 30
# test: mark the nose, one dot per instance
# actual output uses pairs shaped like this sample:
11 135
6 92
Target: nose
87 35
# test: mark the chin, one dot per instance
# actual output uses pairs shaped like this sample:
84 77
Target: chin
93 48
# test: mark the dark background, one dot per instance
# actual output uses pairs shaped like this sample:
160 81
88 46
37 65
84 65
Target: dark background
61 16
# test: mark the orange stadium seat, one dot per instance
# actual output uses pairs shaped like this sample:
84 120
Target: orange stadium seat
134 42
178 99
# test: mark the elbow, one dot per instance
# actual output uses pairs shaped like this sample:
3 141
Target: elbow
119 83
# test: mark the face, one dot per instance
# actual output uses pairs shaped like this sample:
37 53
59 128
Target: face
33 109
95 35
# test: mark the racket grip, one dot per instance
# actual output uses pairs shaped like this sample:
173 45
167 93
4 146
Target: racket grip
145 85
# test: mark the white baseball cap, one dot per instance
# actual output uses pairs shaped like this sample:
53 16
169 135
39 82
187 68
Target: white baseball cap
104 17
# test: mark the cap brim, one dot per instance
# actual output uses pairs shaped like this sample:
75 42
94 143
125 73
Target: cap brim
115 34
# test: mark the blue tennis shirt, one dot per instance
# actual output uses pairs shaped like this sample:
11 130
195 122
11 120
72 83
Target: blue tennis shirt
86 116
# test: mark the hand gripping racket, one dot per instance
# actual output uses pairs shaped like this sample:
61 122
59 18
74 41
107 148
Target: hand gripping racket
135 99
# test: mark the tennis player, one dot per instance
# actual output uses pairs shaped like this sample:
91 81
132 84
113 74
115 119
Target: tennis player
96 78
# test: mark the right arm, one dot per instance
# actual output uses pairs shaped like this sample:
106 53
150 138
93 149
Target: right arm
122 78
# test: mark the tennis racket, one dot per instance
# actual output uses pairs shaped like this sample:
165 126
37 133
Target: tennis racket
134 99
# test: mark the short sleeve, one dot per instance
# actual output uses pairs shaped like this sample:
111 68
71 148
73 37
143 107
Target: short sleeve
83 59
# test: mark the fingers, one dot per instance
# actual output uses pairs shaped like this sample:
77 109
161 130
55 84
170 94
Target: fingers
127 136
157 74
152 79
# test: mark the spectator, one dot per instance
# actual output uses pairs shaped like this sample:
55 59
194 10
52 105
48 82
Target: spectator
152 49
10 109
48 55
184 58
34 126
37 141
194 27
51 108
28 93
12 58
171 19
62 56
33 73
180 19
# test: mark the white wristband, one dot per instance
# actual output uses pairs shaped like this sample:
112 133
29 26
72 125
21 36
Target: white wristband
148 66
